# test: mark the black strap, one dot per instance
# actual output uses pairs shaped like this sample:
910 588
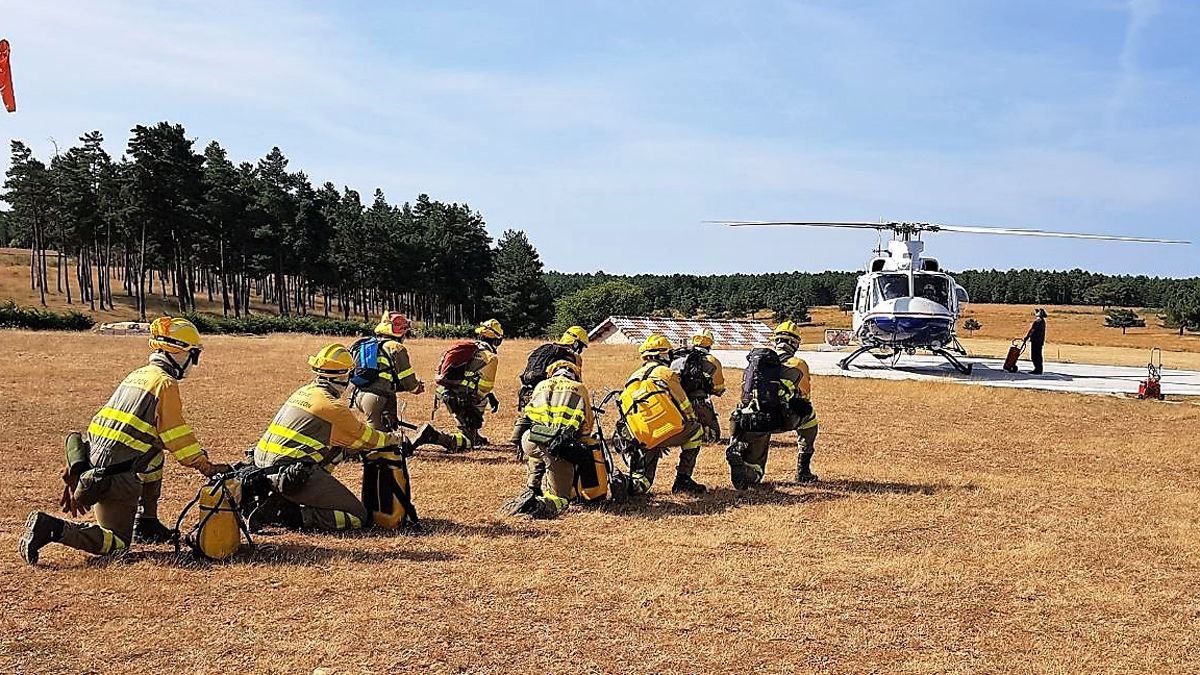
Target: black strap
114 469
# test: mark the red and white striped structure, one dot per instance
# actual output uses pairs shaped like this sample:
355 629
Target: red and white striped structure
635 329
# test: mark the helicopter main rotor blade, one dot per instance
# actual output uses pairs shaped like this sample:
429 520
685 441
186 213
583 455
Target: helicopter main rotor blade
1024 232
796 223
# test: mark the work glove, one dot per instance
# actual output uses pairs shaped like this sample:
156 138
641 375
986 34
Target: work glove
420 389
67 501
398 439
208 469
493 403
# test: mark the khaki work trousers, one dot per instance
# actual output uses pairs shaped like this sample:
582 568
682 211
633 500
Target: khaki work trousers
116 506
688 441
326 504
756 447
542 467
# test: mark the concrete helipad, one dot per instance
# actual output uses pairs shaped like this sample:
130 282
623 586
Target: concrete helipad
1071 377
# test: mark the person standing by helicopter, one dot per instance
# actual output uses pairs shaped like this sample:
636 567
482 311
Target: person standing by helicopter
1036 337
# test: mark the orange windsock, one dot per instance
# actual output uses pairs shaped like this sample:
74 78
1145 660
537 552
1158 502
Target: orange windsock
6 90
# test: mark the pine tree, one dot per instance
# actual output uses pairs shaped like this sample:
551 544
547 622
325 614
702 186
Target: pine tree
520 298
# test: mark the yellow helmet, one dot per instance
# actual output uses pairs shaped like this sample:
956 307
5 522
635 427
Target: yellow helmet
655 345
394 324
703 339
174 335
575 335
561 364
789 331
490 329
333 361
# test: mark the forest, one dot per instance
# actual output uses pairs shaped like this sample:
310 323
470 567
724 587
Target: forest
166 218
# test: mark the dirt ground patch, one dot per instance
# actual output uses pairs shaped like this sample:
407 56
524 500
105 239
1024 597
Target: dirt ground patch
955 529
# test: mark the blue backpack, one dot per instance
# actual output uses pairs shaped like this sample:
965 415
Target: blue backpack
366 361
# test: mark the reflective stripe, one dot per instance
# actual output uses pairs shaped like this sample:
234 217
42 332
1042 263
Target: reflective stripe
118 436
346 521
485 384
405 373
111 542
188 452
277 449
293 435
128 418
385 375
176 433
369 437
552 415
152 477
809 423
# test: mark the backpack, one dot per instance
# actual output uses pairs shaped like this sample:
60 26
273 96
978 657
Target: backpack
540 359
453 367
649 411
387 490
689 364
218 534
365 352
761 410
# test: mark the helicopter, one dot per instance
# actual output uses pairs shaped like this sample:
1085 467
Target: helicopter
905 301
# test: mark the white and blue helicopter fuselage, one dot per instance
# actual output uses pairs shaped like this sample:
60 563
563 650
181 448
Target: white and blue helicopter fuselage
906 302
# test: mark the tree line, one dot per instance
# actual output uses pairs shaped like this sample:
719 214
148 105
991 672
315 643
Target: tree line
249 234
790 294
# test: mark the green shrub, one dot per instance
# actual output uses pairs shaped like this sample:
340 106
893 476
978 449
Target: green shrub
13 316
445 331
261 324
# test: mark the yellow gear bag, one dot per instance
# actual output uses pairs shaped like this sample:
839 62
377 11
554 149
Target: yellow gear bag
218 535
387 490
650 411
591 479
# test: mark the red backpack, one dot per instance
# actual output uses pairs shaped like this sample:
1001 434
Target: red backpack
454 362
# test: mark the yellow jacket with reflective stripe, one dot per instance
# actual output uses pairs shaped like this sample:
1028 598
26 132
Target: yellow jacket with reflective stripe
715 372
395 368
142 417
796 377
561 402
480 376
668 380
315 425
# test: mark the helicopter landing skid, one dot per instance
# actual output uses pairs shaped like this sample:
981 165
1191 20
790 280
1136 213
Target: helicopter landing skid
844 364
964 368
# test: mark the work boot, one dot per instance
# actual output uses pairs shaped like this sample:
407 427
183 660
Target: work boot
151 531
478 439
549 507
426 434
738 469
40 529
686 484
804 474
526 502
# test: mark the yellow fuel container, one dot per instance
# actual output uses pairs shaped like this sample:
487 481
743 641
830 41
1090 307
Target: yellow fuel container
218 535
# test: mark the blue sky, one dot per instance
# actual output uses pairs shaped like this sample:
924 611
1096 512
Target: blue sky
609 131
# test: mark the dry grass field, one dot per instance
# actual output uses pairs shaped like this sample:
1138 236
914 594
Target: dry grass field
956 529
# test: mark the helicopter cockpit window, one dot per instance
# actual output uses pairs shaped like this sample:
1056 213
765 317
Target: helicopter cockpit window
933 287
892 286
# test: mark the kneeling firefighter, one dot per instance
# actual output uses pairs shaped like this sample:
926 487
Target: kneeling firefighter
119 461
776 390
569 347
382 370
466 377
702 377
558 446
314 430
656 415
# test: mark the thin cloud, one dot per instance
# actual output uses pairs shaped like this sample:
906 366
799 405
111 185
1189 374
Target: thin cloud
1141 12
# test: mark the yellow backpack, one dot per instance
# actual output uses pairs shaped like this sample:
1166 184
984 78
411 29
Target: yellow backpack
218 535
387 490
649 410
591 479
